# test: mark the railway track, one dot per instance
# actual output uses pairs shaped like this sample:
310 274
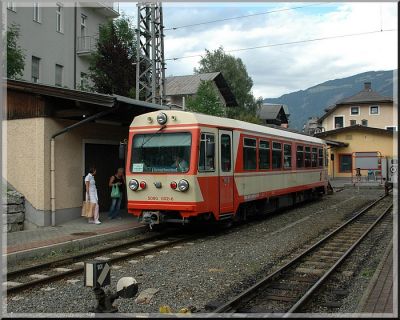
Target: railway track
48 272
286 290
40 274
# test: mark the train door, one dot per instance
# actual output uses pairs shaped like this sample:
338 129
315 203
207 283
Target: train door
226 181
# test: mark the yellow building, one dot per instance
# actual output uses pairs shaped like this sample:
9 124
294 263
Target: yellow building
363 125
346 142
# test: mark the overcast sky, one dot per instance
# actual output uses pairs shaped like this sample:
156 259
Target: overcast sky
283 69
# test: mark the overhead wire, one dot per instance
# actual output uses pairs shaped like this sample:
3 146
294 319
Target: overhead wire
244 16
289 43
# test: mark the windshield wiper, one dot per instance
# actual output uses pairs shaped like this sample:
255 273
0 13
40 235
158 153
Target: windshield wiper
152 135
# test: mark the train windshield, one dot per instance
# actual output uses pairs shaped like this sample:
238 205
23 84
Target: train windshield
161 152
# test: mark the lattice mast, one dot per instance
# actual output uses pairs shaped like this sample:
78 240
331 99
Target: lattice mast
150 69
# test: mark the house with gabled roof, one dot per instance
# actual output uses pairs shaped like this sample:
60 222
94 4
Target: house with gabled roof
179 88
276 114
359 127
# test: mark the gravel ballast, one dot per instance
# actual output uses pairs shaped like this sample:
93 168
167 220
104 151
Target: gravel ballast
213 268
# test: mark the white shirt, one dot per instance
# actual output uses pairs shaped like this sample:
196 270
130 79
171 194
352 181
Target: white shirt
92 188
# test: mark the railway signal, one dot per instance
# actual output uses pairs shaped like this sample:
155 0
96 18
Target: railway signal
97 276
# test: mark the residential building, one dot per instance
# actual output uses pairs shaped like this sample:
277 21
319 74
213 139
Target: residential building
179 88
367 108
361 132
274 114
87 129
57 38
312 126
349 143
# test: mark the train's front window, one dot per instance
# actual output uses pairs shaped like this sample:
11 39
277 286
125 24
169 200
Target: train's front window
161 152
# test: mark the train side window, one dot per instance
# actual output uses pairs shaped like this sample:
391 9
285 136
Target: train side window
307 157
249 154
300 157
207 141
264 155
314 157
225 153
276 155
287 156
320 158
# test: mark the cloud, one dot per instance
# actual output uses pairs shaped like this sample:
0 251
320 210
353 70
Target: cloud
282 69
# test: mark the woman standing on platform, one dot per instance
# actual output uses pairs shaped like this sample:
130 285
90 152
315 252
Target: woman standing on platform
91 194
117 181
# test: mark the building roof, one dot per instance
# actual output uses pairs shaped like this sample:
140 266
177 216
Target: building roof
285 107
334 143
188 85
365 96
357 127
76 104
269 111
59 92
100 99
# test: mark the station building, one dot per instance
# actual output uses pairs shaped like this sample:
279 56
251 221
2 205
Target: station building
87 129
363 125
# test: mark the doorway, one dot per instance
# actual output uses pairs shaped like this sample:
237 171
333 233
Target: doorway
105 157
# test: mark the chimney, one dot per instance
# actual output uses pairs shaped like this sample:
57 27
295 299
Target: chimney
367 86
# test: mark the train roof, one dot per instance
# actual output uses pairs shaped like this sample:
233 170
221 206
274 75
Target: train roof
185 117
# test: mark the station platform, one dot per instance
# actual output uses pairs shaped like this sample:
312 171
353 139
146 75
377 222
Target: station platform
347 183
378 297
72 235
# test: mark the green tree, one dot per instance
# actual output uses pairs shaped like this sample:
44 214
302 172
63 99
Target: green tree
112 67
239 81
15 54
206 100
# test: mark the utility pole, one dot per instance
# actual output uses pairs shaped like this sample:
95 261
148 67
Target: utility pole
150 68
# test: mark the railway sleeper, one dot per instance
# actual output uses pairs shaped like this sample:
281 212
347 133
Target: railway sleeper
332 253
318 264
340 249
303 278
305 270
341 242
288 286
323 258
281 298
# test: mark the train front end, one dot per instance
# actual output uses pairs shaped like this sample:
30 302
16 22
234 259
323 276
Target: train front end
161 170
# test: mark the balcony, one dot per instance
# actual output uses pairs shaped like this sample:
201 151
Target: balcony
85 45
108 9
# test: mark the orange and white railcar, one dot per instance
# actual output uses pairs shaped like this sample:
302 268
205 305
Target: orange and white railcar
226 170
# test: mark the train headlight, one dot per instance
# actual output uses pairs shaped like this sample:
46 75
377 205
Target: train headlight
133 184
183 185
162 118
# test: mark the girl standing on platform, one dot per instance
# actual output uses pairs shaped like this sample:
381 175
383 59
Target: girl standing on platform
91 194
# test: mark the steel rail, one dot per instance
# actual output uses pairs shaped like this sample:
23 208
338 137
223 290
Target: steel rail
58 276
246 295
320 281
74 258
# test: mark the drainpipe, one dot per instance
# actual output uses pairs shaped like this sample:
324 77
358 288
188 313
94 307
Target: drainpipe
52 157
75 40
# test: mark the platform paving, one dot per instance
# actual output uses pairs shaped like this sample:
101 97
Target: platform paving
378 298
74 234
